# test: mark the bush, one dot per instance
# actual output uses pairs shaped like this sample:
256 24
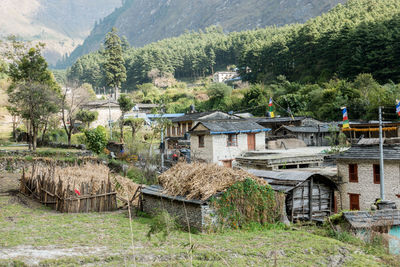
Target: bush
163 223
246 203
136 175
96 139
78 139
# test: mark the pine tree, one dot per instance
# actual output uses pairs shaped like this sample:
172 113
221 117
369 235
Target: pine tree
115 71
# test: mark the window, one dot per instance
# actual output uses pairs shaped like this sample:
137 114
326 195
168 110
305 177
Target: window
353 173
232 140
201 140
377 174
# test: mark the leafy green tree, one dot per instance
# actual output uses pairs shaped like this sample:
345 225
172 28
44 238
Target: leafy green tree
96 139
114 67
33 93
136 124
87 116
125 105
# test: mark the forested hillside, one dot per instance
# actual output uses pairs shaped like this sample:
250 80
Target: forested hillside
148 21
359 37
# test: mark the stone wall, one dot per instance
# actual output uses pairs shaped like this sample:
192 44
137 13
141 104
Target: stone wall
368 191
103 117
199 216
201 153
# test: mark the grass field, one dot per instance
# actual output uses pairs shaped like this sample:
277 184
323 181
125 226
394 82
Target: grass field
33 234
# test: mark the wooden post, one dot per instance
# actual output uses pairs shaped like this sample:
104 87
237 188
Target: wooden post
310 199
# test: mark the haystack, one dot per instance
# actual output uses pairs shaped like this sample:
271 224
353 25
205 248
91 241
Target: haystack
96 174
201 180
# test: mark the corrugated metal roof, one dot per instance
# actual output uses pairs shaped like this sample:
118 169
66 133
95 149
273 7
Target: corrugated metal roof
368 219
156 190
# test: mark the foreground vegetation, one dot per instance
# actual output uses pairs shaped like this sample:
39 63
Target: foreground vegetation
25 226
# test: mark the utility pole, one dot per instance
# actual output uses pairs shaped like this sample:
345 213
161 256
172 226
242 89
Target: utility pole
382 173
109 116
162 145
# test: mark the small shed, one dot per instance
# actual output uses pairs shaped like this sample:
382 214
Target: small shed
365 223
197 212
302 203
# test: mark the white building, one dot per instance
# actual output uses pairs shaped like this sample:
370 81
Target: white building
221 141
222 76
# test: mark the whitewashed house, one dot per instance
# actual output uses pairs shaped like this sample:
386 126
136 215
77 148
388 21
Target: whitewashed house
221 141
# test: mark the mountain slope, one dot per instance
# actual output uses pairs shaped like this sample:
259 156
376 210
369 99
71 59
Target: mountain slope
61 24
147 21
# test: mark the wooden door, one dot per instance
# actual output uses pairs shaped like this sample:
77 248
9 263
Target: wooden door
251 141
354 201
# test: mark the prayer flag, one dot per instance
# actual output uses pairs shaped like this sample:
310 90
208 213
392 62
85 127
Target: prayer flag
398 107
271 109
345 119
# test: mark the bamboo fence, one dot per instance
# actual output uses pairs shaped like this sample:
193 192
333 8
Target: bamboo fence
64 197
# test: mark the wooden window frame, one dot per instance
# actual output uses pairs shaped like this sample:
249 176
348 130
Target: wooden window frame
353 173
376 173
232 140
201 141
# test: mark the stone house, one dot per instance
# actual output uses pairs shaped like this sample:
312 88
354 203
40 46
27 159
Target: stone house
221 141
176 132
103 107
310 135
199 213
359 176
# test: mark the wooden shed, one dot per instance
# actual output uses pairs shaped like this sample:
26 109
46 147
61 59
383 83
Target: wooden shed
299 198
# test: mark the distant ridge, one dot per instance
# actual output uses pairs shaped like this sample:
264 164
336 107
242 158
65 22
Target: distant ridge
143 22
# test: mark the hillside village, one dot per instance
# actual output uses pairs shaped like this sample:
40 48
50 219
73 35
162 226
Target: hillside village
232 149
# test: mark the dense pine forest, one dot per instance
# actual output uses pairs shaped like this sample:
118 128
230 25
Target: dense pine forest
348 56
358 37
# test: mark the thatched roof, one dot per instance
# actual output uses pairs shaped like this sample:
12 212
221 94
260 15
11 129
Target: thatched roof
201 180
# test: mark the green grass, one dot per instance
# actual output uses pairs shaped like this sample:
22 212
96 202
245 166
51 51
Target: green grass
21 225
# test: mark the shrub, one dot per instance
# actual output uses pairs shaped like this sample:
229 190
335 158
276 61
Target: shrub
163 223
78 139
96 139
245 203
136 175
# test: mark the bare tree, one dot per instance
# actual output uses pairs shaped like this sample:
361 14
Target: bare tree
73 99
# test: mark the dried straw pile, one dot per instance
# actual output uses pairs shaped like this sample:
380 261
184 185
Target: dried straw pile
87 173
126 188
201 180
